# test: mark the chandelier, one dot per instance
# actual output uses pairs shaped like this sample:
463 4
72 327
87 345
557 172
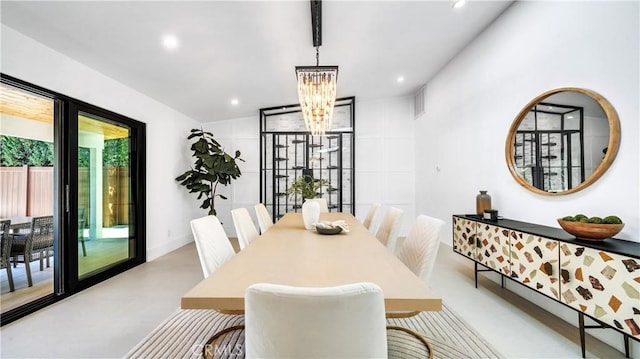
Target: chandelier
317 84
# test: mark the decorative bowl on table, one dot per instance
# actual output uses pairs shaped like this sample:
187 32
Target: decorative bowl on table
591 231
331 230
335 227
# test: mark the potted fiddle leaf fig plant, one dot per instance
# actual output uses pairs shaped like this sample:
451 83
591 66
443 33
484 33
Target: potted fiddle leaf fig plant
212 167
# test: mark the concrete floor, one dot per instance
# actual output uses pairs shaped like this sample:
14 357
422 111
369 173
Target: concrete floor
107 320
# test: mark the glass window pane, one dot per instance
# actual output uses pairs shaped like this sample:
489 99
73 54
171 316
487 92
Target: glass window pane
104 188
26 196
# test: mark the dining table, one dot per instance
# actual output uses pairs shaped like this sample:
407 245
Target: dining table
289 254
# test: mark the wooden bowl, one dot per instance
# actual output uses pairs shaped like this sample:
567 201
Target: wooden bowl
591 231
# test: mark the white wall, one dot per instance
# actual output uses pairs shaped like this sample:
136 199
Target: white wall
384 159
471 102
241 134
169 207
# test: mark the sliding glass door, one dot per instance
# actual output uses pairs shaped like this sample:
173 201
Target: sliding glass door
95 194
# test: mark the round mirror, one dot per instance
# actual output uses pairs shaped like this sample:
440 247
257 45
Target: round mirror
562 141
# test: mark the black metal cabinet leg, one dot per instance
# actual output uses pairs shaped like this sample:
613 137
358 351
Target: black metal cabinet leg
581 325
626 345
475 269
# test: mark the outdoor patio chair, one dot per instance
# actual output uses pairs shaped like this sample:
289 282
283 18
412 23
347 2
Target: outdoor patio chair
82 223
5 238
37 244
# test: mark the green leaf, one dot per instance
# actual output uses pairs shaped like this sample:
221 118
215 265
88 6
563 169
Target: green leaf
208 162
200 146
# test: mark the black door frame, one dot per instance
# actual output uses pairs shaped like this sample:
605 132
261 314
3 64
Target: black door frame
65 209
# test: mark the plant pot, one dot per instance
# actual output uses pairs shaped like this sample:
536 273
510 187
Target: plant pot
310 213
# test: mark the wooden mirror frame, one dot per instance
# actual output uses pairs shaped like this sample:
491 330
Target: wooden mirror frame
612 149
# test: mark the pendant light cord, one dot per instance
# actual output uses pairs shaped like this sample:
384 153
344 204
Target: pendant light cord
317 55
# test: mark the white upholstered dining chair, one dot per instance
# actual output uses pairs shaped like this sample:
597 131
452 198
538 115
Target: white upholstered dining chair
213 246
419 250
264 219
324 207
333 322
371 216
388 231
245 229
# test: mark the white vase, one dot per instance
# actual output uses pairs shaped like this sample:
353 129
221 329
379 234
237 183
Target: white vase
310 213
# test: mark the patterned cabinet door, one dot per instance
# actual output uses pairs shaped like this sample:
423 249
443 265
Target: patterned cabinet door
464 237
493 247
535 262
603 285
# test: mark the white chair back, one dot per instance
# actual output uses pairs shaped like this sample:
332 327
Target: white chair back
245 229
214 248
336 322
371 216
420 248
388 231
264 219
324 207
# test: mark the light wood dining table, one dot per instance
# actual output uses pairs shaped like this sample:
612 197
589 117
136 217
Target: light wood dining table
291 255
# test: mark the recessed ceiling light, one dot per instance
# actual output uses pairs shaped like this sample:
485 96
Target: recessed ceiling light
170 42
400 79
235 102
458 4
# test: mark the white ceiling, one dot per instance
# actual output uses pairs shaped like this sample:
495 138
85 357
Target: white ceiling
248 50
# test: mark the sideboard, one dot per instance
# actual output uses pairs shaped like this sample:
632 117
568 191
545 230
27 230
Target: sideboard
600 279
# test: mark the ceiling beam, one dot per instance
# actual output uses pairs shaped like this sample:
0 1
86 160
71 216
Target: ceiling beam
316 22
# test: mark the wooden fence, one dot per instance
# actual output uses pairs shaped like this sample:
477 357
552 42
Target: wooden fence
28 191
115 204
